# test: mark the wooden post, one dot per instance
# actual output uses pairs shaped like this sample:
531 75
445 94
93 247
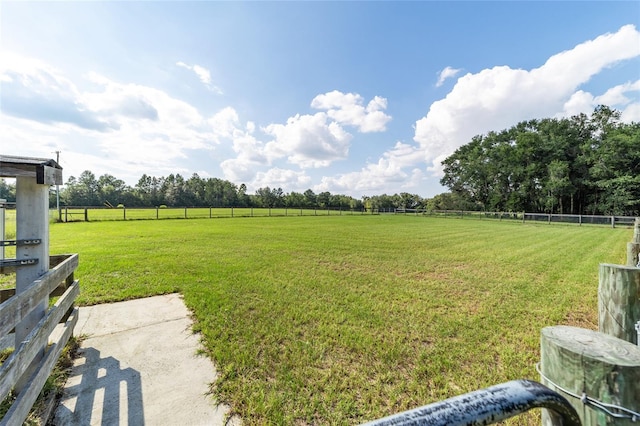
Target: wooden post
619 301
633 248
2 219
32 222
590 363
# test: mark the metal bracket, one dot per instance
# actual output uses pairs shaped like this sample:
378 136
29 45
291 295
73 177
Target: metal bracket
16 262
31 242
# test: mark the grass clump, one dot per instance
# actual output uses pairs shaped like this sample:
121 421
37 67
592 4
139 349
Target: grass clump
323 320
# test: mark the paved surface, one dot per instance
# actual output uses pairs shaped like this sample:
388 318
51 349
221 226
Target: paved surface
139 366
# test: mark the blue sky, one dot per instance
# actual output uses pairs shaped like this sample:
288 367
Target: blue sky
357 98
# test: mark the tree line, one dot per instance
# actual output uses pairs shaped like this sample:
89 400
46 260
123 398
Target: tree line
578 165
175 191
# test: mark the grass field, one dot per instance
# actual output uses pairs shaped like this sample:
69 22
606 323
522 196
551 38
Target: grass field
339 320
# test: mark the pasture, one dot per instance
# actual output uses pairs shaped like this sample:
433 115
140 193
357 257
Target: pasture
339 320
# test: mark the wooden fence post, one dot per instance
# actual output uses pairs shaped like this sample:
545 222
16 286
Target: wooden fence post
633 248
32 223
590 364
619 301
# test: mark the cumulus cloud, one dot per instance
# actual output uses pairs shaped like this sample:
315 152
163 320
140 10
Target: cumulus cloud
497 98
203 74
250 151
623 96
390 170
282 178
309 141
33 90
132 128
446 73
348 109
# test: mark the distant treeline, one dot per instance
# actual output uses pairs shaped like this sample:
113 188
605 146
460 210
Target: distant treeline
176 191
577 165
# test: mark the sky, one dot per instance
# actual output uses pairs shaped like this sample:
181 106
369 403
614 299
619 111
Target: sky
357 98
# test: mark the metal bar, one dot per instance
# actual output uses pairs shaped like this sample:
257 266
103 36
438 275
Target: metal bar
486 406
7 243
15 262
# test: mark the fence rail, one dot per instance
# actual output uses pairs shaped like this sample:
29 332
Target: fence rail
86 214
46 334
613 221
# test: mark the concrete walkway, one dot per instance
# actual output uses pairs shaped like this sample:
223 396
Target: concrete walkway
139 366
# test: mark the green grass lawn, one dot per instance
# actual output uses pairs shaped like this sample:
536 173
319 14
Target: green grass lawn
339 320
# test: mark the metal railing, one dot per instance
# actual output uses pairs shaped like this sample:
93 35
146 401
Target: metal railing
487 406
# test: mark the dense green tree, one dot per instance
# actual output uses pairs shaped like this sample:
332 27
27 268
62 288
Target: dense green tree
577 165
310 198
7 191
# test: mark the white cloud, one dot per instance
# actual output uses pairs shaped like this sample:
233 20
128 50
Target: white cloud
389 171
203 74
446 73
623 97
348 109
618 95
290 180
225 122
497 98
129 129
309 141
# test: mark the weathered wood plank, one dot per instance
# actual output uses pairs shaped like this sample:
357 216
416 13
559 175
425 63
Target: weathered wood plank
15 366
46 175
54 260
13 167
6 294
15 309
585 361
22 405
619 301
633 247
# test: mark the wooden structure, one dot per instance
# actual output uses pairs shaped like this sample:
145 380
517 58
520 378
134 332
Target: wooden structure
633 247
619 301
599 372
581 363
25 309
